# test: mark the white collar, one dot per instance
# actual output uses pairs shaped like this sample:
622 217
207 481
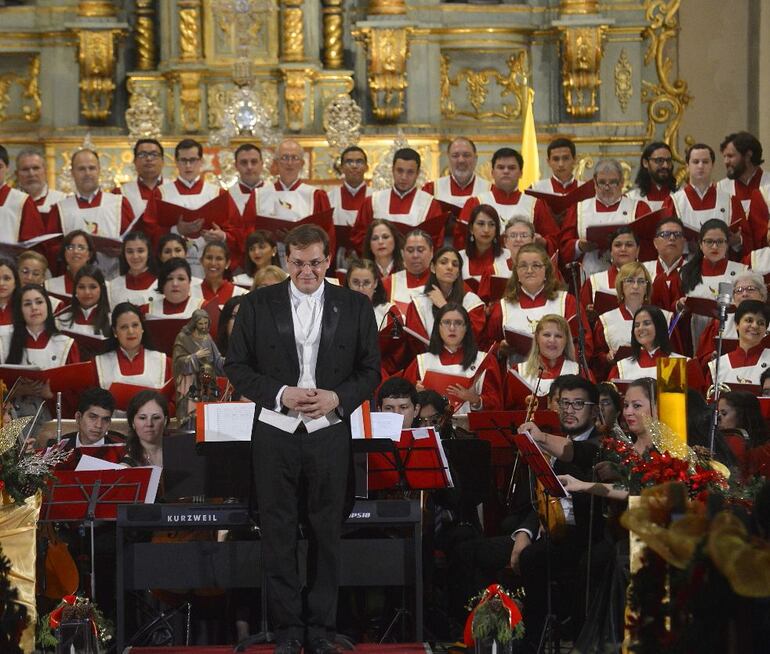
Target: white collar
530 295
567 183
700 194
87 198
297 296
583 436
251 186
188 184
284 187
42 193
353 190
79 443
87 312
402 195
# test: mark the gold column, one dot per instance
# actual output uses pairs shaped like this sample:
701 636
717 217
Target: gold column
582 49
387 7
96 56
295 95
145 35
96 9
387 52
332 21
579 6
293 31
189 30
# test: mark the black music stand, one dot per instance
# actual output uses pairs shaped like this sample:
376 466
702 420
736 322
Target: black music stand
541 468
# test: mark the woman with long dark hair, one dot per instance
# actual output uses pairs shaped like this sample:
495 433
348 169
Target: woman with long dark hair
136 282
9 298
215 260
453 351
261 251
89 309
382 245
484 253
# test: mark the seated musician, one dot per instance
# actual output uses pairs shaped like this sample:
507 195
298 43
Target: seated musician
434 413
147 421
93 418
743 434
397 395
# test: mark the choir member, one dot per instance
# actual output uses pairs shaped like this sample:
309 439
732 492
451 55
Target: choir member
348 197
178 298
504 196
295 198
417 255
560 153
33 268
226 321
518 232
148 163
19 217
669 244
77 251
383 245
742 157
261 251
746 363
532 292
453 351
484 253
655 181
215 261
268 276
31 178
462 182
759 258
624 248
89 309
444 285
608 207
136 282
147 417
172 246
9 291
131 359
403 203
552 354
249 164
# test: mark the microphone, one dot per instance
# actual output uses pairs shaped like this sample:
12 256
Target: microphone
398 328
724 300
572 265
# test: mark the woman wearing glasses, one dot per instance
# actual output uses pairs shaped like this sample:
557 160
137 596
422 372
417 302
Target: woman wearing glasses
747 286
552 352
453 351
77 250
518 231
484 253
532 292
445 285
624 248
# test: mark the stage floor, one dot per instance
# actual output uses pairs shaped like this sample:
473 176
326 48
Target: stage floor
371 648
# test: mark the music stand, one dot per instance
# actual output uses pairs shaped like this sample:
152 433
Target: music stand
91 495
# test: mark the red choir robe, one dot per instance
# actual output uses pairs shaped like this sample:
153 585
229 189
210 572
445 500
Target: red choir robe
602 281
400 286
666 285
555 185
446 189
655 198
149 368
103 215
138 194
223 293
347 202
137 289
646 366
706 349
20 219
515 400
419 318
740 366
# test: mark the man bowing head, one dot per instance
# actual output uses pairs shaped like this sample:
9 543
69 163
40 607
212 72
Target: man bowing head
306 353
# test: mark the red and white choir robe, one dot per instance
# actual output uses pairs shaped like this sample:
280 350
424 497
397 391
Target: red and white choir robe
514 400
708 340
50 351
46 200
149 368
666 285
83 322
589 213
741 366
654 199
299 201
629 368
61 286
160 306
249 202
137 289
347 202
19 216
411 209
419 317
446 189
486 264
603 281
510 205
223 293
743 191
105 214
554 185
401 286
394 346
524 315
138 194
484 369
758 260
693 209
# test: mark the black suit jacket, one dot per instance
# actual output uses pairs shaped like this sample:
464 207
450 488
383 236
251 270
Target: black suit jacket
262 353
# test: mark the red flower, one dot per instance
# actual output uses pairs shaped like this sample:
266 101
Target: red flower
662 468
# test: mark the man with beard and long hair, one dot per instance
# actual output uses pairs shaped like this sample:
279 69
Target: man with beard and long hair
655 180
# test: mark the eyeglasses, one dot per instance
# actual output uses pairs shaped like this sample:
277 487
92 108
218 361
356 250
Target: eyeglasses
714 242
150 155
289 158
354 162
518 236
429 421
188 161
31 272
315 264
575 405
659 161
461 155
607 183
361 283
76 247
635 281
524 267
452 323
745 289
667 235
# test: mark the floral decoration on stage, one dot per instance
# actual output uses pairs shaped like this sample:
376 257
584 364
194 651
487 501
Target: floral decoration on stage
495 614
74 610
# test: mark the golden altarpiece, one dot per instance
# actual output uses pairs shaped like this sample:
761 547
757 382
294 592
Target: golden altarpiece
333 72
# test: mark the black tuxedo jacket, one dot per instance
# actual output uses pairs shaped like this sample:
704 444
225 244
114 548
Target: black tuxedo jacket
262 353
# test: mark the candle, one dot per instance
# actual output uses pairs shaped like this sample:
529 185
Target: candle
672 396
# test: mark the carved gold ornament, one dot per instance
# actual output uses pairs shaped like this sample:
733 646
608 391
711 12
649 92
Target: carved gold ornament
295 94
623 86
666 100
29 84
190 98
145 35
513 84
96 8
387 51
332 31
96 56
144 118
387 7
293 32
342 119
581 58
189 30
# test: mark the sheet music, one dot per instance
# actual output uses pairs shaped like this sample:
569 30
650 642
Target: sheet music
427 432
152 487
88 462
229 421
385 424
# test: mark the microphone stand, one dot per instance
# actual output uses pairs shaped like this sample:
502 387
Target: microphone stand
581 353
715 412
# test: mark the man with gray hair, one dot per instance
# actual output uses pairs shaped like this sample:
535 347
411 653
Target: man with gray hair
749 285
31 178
462 182
19 217
608 207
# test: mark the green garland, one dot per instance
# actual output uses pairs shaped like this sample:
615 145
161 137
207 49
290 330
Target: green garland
13 616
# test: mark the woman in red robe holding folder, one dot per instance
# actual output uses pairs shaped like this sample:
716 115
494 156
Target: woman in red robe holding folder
453 353
624 248
552 351
89 310
77 250
532 292
445 284
216 261
136 282
484 254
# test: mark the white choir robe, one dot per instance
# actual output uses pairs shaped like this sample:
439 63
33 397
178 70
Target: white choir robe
740 367
588 216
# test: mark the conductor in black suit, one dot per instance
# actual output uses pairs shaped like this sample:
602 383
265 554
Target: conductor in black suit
306 352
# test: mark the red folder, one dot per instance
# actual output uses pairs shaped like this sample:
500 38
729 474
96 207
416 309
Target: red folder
645 226
163 331
521 389
558 203
324 219
604 302
764 407
422 461
439 382
492 287
754 389
123 392
433 226
89 343
214 211
692 234
539 465
702 306
72 377
13 250
520 342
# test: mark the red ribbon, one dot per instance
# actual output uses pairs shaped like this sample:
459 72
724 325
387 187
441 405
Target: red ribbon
54 618
495 590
